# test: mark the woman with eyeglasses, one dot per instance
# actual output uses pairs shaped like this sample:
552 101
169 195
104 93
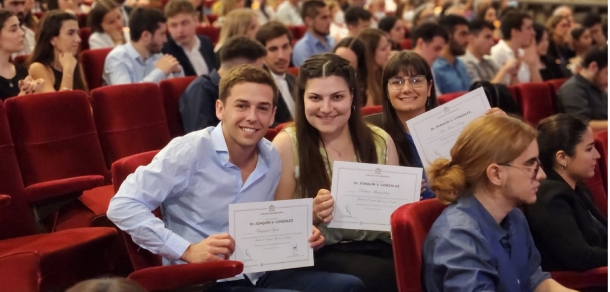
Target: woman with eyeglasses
568 229
329 127
481 242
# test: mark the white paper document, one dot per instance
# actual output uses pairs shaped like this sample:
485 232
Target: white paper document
366 195
272 235
435 131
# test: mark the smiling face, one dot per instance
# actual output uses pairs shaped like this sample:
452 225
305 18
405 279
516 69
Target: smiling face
278 56
328 104
11 36
408 93
68 39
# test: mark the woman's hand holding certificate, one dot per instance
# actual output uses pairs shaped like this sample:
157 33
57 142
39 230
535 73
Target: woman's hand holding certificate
323 207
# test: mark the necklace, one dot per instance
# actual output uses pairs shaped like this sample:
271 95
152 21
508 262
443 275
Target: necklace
339 152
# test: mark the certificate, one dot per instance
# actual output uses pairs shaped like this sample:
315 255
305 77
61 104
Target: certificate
435 131
366 195
272 235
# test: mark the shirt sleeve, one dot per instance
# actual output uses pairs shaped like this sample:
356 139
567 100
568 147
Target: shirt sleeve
156 76
574 101
116 70
461 261
533 263
144 191
299 55
197 108
472 71
96 42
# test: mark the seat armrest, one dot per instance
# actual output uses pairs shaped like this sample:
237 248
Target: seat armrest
5 200
56 188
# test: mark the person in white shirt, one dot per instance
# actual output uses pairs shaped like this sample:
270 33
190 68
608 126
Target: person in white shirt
106 23
518 34
289 12
17 7
195 53
277 39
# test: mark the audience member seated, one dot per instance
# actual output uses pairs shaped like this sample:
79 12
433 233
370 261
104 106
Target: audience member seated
378 50
183 180
479 65
585 94
200 10
450 74
226 7
107 285
395 29
558 28
54 57
329 128
338 29
354 51
125 11
357 19
489 13
195 53
424 13
582 43
277 40
518 34
429 39
70 6
549 67
289 12
141 60
316 40
265 13
106 25
197 103
237 23
593 22
568 229
378 10
17 7
14 79
481 242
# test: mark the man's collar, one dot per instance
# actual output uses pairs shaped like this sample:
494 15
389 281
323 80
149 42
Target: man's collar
582 79
214 77
220 145
196 45
133 53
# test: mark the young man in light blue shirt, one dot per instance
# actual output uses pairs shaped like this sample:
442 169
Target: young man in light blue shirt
140 60
197 176
316 40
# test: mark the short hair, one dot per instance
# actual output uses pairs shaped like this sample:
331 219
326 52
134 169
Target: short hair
510 21
449 22
95 17
539 29
175 7
591 20
577 33
560 132
245 74
144 19
427 31
107 285
272 30
310 8
241 47
477 25
354 14
387 23
597 54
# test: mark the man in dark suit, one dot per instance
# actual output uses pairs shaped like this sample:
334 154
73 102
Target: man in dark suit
277 39
195 53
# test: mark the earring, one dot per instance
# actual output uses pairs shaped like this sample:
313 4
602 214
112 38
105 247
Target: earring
353 107
564 166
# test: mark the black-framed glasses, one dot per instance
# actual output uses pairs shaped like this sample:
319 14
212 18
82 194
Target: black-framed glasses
398 82
536 168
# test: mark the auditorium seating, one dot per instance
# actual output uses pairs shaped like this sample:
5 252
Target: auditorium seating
271 133
212 32
92 62
445 98
369 110
294 71
601 144
149 271
554 87
84 33
598 191
298 31
535 101
171 90
407 44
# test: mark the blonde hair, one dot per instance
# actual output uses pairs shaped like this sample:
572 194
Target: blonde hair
552 22
226 6
236 23
486 140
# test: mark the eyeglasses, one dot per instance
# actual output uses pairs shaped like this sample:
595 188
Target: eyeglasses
398 82
536 168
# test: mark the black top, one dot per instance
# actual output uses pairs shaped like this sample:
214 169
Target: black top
579 97
10 87
198 103
560 55
205 48
552 69
58 76
568 229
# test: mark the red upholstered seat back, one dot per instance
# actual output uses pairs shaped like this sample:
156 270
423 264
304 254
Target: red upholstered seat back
140 258
601 144
54 136
212 32
410 226
130 119
84 33
596 186
535 101
271 133
445 98
554 85
406 44
293 71
298 31
171 90
15 219
369 110
92 62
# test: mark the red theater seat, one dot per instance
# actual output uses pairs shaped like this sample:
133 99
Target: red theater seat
130 119
601 144
212 32
410 226
298 31
271 133
212 18
171 90
583 281
84 33
535 101
445 98
406 44
92 62
369 110
554 85
598 190
293 71
21 60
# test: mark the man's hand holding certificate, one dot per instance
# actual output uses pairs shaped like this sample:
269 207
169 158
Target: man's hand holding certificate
272 235
435 131
365 195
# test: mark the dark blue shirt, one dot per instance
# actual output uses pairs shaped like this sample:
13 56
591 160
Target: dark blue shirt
467 250
450 78
416 161
198 103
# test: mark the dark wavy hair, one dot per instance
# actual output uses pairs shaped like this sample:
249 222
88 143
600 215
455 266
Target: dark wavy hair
359 50
560 132
313 176
408 63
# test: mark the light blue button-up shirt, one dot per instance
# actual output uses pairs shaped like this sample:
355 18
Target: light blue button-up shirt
308 46
194 183
450 78
124 65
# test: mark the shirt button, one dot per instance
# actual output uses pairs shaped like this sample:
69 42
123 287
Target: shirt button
518 282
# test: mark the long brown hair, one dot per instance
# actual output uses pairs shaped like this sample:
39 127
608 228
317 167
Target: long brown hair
313 176
409 63
371 37
44 52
